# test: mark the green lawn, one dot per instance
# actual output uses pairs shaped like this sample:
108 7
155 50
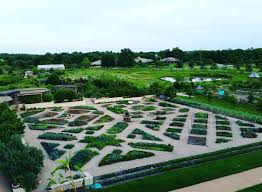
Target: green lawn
246 108
256 188
192 175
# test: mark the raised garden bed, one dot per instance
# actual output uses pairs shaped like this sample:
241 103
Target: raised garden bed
97 112
101 141
152 146
153 127
172 135
90 132
31 119
81 158
52 151
42 126
145 136
223 128
74 130
143 108
105 119
55 121
224 134
77 111
116 156
76 123
57 136
194 140
69 146
116 109
31 112
117 128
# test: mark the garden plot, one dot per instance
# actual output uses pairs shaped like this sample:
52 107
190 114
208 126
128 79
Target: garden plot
100 142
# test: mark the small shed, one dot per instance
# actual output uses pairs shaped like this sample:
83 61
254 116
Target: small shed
169 60
254 75
51 66
96 63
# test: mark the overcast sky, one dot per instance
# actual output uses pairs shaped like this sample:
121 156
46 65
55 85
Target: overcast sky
40 26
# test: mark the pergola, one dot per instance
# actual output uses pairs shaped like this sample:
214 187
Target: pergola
32 91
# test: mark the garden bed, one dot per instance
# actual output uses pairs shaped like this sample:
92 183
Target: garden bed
74 130
194 140
55 121
57 136
152 146
52 151
224 134
145 136
105 119
117 128
81 158
42 126
31 112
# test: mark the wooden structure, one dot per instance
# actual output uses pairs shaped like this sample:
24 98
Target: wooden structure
127 117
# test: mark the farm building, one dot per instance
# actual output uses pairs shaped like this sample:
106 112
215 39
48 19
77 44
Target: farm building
96 63
51 66
28 74
143 60
169 60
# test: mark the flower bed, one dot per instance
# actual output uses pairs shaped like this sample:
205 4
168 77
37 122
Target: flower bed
31 119
183 110
223 122
83 107
152 146
86 118
179 119
224 134
204 121
198 131
223 128
52 151
105 119
174 130
152 122
74 130
145 136
48 114
77 111
95 127
97 112
57 136
55 121
101 141
81 158
117 128
115 157
199 126
143 108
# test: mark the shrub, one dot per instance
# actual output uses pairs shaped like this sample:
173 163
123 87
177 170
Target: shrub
149 108
173 130
243 124
101 141
83 107
152 146
90 132
222 122
160 118
179 119
105 119
201 115
152 122
224 134
57 136
183 110
81 158
31 120
95 128
77 123
66 95
153 127
222 140
177 124
69 146
199 126
249 134
74 130
145 136
131 155
204 121
198 131
117 128
223 128
116 109
52 151
165 104
172 135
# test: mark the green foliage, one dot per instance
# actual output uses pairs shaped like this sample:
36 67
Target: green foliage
74 130
179 119
83 107
101 141
145 136
41 126
95 128
9 123
55 121
249 134
201 115
85 62
152 146
116 109
153 127
244 124
165 104
62 95
151 122
57 136
69 146
20 163
52 151
81 158
199 126
204 121
223 128
224 134
222 140
172 135
115 157
31 112
177 124
198 131
105 119
117 128
77 123
183 110
174 130
126 58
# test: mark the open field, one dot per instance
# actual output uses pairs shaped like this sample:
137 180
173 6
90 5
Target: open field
159 131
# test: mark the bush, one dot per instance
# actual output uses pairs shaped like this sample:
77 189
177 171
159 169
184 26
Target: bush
77 123
52 151
172 135
153 127
90 132
249 134
105 119
57 136
177 124
199 126
81 158
74 130
69 146
243 124
115 157
117 110
224 134
152 146
117 128
198 131
66 95
47 97
101 141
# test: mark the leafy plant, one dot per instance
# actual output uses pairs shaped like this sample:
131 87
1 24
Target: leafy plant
57 136
52 151
117 128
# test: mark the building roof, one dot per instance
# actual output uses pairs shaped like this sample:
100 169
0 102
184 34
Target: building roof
143 60
5 99
8 93
31 91
96 63
51 66
169 59
254 75
199 88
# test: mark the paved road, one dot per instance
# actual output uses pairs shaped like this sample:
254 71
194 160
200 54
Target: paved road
231 183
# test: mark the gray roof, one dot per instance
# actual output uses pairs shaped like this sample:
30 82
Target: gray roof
51 66
143 60
254 75
170 59
5 99
96 63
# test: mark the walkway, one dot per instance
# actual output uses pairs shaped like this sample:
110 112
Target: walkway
231 183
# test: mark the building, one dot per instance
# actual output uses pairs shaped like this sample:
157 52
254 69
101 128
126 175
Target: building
169 60
51 66
143 60
28 74
254 75
96 63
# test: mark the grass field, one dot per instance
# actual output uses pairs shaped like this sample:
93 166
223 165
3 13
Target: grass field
256 188
192 175
145 76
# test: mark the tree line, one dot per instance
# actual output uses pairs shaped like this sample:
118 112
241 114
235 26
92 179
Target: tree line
126 58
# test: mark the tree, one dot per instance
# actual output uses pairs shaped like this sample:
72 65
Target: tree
20 162
54 79
126 58
65 95
178 53
108 59
179 64
85 62
248 67
191 64
250 97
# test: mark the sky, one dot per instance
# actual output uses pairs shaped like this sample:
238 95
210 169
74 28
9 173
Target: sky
40 26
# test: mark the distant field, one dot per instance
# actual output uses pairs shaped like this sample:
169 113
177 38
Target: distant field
144 76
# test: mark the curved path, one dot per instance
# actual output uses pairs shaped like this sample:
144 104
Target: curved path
231 183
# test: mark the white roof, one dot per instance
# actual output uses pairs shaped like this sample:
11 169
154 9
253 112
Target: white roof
98 62
143 60
5 99
170 59
254 75
51 66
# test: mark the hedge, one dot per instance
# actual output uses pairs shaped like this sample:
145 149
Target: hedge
145 136
117 128
74 130
172 135
57 136
52 151
81 158
152 146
